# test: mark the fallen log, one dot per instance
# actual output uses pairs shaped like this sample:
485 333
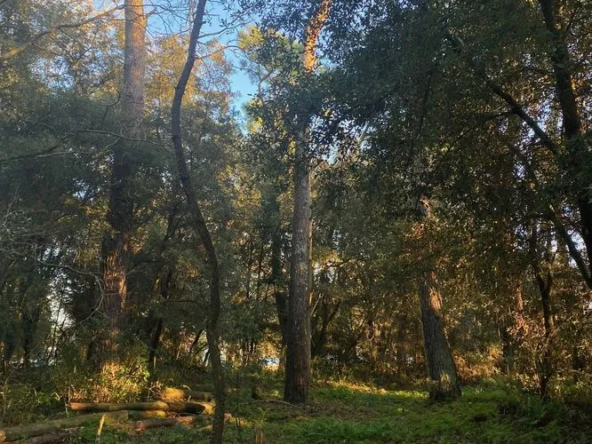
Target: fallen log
147 414
114 407
169 422
172 394
176 407
43 428
208 408
187 407
52 438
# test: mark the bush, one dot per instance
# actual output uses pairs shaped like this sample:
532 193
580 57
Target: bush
75 379
21 403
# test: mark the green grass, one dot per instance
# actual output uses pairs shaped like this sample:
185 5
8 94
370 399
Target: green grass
361 415
340 414
349 414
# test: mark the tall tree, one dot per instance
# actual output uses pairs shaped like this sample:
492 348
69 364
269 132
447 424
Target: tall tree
200 226
298 351
117 239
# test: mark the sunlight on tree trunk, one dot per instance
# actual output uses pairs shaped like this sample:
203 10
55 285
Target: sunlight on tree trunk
439 361
117 239
298 346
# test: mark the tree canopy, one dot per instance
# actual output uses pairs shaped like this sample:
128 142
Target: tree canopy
405 199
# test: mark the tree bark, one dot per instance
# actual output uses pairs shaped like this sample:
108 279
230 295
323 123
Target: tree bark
116 245
278 293
147 414
30 321
544 279
298 347
440 364
199 224
115 407
156 333
42 428
545 363
298 351
272 211
175 406
58 437
169 394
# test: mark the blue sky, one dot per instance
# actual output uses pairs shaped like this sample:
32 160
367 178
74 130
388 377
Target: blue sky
167 22
241 84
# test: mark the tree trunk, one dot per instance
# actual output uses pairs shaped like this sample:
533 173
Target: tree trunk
9 341
401 347
154 343
42 428
272 211
298 358
58 437
117 239
319 338
439 361
272 208
544 279
30 323
194 343
278 293
298 352
545 364
156 335
169 394
199 225
512 331
116 407
176 407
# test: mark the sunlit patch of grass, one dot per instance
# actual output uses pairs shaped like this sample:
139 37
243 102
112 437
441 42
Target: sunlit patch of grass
346 413
364 401
349 413
275 393
342 390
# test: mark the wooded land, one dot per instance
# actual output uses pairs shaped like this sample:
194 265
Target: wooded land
401 199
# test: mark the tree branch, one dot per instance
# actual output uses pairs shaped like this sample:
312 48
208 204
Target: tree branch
200 226
53 30
514 105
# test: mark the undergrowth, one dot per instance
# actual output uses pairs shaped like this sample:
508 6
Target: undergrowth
350 413
342 413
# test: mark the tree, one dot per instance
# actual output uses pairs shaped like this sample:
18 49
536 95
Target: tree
573 129
296 127
298 352
199 225
117 240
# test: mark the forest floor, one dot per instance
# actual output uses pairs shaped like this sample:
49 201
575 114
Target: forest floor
344 413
